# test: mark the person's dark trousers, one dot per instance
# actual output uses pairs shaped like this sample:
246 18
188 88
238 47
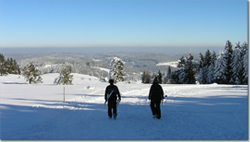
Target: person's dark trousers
112 105
155 108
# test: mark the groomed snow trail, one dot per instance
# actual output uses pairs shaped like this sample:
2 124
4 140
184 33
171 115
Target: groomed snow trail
190 112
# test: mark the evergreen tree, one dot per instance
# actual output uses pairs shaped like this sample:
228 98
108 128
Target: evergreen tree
190 70
200 79
65 78
201 60
17 69
240 64
143 77
3 69
201 72
185 75
210 77
237 65
206 64
245 63
219 70
31 74
182 62
210 74
116 70
8 66
169 76
147 77
159 77
182 76
227 61
2 59
175 76
179 76
207 58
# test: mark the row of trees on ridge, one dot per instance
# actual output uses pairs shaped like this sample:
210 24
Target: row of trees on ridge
230 67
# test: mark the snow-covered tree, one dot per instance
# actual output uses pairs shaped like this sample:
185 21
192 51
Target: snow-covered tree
31 74
182 77
200 79
211 67
227 61
210 75
245 62
185 75
168 78
207 58
206 64
237 65
201 60
219 69
190 70
116 70
201 76
179 75
182 62
243 71
65 78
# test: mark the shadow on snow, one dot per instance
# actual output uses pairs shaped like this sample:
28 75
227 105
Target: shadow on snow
183 118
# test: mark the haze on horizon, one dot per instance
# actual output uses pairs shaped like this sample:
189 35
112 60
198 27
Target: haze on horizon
111 50
172 25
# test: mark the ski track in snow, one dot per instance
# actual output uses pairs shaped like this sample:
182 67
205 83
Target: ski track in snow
190 112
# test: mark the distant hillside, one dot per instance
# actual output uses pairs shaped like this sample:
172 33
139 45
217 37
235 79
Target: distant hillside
98 65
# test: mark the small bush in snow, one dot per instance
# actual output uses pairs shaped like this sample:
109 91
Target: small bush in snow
31 74
65 78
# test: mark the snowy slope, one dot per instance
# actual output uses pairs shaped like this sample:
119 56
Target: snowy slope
190 112
172 64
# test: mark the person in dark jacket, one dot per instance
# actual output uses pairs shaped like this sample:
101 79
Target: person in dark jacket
156 95
111 94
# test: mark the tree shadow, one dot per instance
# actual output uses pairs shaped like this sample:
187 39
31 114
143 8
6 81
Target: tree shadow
18 83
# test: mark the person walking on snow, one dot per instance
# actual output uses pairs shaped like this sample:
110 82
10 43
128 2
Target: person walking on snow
110 96
156 95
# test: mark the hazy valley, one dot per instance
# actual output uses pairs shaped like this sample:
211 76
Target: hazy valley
98 65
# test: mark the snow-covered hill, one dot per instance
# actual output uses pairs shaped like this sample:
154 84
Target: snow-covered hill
190 112
172 64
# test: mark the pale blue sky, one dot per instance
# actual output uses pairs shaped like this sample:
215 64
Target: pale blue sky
122 23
